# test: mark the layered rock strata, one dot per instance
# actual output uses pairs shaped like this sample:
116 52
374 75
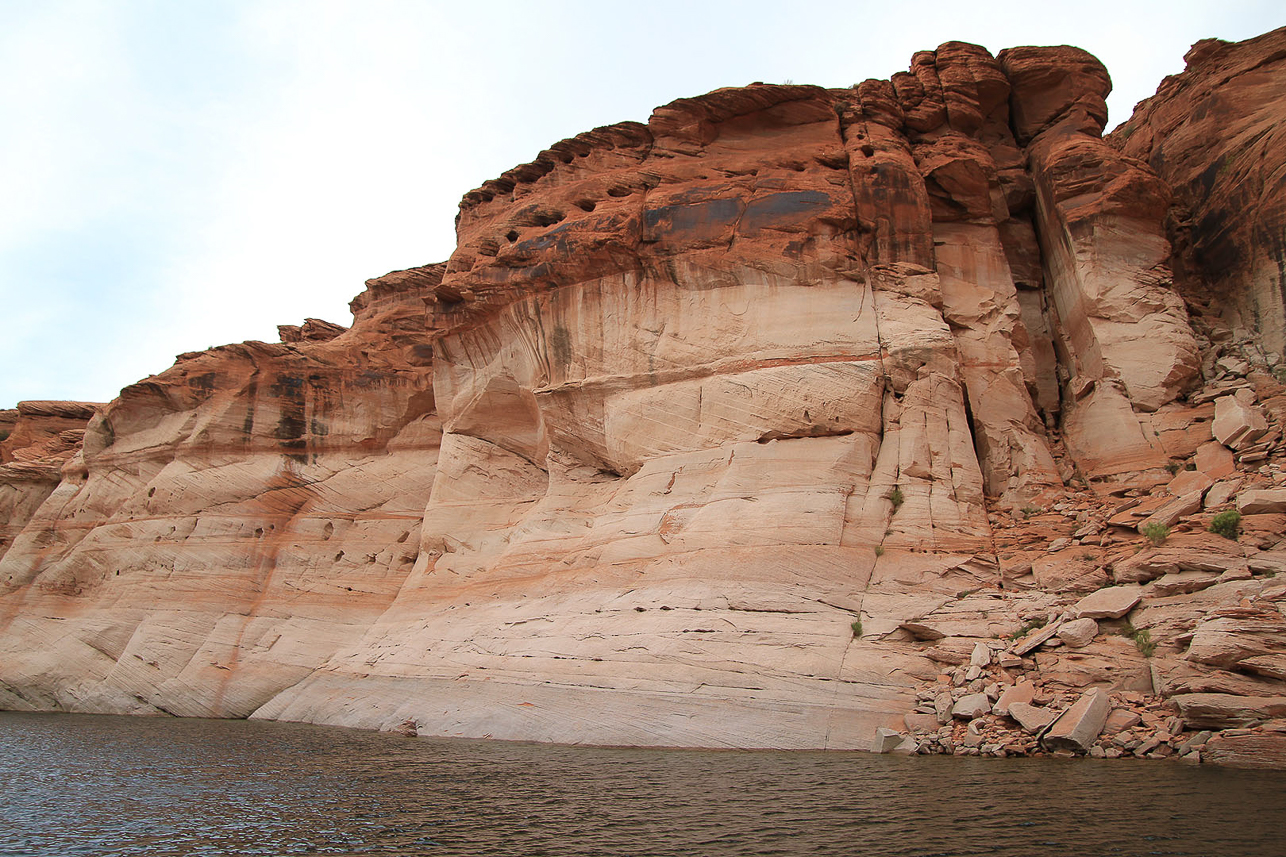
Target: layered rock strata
759 425
36 441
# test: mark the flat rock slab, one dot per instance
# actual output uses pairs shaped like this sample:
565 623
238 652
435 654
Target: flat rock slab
1247 751
1215 460
917 722
1184 582
1178 508
1111 602
1035 638
1121 718
921 631
1024 691
1079 725
1233 635
971 706
1222 492
1031 718
1262 500
1187 481
1227 710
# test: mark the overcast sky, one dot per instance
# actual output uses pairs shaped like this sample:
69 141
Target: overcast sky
177 174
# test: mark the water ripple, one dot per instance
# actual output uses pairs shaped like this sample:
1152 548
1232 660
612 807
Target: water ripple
80 785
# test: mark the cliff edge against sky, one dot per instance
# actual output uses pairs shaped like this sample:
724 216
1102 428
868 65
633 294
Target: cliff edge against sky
695 400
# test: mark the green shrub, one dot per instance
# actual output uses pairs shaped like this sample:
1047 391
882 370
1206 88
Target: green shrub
1029 626
1031 510
857 628
1142 640
896 498
1172 467
1227 524
4 435
1155 532
879 550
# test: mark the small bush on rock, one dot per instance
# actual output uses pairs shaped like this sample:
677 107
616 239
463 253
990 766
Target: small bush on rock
1226 524
1142 640
896 498
1155 532
857 628
1029 626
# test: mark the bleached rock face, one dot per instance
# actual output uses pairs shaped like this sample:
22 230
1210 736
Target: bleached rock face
228 523
738 428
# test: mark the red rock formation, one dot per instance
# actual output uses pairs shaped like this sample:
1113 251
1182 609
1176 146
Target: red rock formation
36 440
1215 134
760 424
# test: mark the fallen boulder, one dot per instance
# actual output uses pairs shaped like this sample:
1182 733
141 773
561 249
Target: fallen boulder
1238 423
1078 633
1175 510
1079 725
886 740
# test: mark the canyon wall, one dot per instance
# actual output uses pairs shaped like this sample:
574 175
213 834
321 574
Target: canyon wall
763 424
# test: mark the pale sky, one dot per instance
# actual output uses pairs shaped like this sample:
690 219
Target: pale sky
177 174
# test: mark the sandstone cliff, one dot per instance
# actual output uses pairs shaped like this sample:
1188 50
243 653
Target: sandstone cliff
695 401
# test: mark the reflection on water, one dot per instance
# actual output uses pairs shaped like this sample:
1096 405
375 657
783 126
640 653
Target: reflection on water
81 785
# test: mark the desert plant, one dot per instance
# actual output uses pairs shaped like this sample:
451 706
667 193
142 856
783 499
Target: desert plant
1031 510
1142 640
1226 524
1155 532
1173 467
879 550
857 628
896 498
1029 626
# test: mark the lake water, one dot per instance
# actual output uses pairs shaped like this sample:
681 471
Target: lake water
83 785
